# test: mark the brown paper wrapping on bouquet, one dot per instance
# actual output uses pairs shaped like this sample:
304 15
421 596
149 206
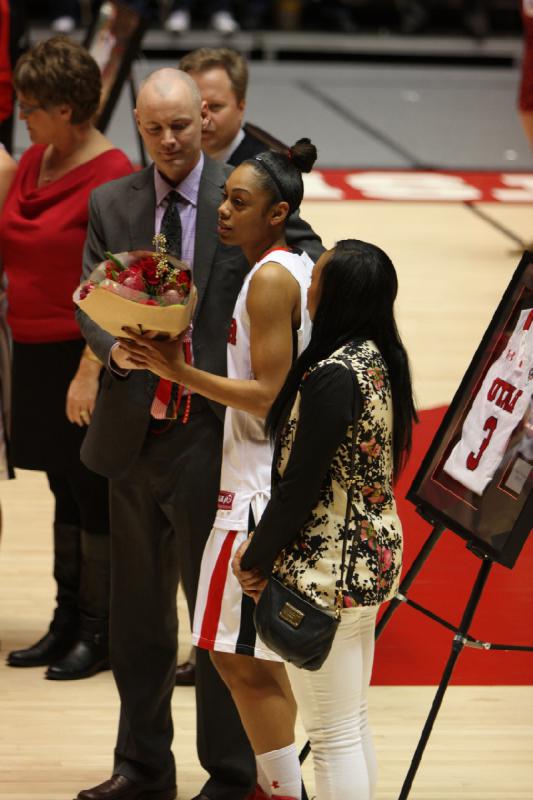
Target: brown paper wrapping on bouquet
114 313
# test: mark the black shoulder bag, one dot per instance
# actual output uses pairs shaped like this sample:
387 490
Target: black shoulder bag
291 625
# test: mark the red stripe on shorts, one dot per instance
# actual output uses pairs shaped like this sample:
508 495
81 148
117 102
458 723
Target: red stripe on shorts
215 593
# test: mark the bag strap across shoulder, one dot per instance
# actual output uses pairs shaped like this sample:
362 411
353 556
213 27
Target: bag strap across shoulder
349 495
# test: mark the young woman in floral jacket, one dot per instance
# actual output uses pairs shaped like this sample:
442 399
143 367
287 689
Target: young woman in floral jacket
299 536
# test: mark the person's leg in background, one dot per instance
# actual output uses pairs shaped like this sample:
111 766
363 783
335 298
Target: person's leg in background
63 631
256 14
90 653
179 18
525 98
333 705
186 670
221 13
526 84
222 17
65 15
476 18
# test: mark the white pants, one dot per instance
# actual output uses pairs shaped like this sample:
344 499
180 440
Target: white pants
332 703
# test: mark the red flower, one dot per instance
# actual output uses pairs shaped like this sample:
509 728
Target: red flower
172 296
349 602
374 493
110 270
85 290
183 278
367 533
385 558
150 303
377 377
371 448
132 278
148 267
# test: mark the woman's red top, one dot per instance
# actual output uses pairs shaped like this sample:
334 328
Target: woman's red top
42 232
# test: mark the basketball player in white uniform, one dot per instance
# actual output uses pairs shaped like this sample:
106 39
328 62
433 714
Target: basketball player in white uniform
270 327
223 614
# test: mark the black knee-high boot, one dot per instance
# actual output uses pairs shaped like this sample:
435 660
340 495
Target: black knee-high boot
64 628
90 653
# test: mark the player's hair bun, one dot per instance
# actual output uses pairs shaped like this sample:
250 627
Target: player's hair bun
303 155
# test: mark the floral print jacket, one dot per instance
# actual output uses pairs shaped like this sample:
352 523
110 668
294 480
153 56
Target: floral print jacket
312 563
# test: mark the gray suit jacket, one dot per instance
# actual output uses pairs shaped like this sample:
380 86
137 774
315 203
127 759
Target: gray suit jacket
121 218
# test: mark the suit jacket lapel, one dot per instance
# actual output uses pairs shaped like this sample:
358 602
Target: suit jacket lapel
141 211
206 240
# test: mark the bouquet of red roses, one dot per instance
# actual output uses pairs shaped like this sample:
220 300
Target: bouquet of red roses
143 290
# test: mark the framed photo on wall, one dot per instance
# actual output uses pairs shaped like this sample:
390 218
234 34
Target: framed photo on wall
477 476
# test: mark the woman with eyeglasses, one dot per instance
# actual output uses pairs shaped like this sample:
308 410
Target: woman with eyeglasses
55 377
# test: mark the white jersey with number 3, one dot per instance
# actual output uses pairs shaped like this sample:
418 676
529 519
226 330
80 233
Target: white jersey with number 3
498 407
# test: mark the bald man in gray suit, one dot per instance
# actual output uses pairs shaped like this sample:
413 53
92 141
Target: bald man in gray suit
164 474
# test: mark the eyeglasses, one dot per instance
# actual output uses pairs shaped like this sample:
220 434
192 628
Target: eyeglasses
28 108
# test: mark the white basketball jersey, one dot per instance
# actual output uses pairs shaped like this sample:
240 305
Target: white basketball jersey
247 453
499 406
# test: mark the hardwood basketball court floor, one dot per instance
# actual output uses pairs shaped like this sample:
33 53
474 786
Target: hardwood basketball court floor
453 263
56 738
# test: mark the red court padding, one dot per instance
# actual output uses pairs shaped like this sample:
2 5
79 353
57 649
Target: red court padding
413 649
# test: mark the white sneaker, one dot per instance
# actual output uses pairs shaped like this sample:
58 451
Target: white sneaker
63 25
178 22
224 23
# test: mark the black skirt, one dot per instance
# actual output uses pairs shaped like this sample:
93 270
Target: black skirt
42 438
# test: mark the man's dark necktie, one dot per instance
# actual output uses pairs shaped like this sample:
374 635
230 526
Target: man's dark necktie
168 395
171 225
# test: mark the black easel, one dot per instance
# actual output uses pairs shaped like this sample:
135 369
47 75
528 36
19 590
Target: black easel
458 643
414 569
461 638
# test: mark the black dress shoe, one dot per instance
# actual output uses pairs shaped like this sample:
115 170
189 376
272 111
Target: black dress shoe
82 661
50 648
185 674
121 788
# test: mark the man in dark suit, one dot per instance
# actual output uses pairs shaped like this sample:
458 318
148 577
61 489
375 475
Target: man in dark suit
164 474
221 75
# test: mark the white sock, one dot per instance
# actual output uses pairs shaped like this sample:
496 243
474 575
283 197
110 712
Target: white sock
282 768
262 779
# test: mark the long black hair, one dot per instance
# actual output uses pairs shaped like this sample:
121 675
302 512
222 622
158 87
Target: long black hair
359 286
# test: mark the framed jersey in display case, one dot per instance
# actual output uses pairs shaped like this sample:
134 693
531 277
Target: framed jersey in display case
477 476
